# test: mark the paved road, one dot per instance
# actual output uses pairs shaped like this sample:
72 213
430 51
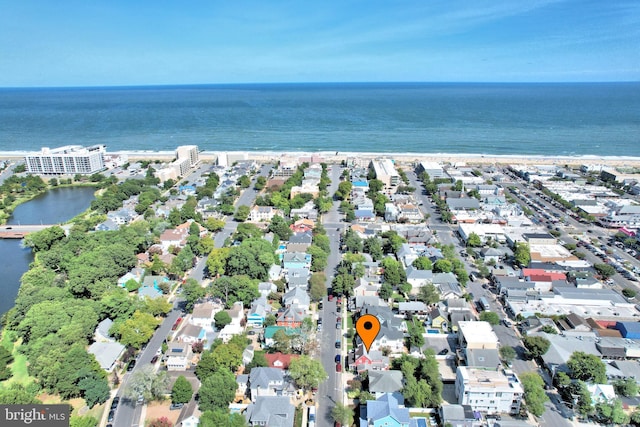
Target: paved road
332 390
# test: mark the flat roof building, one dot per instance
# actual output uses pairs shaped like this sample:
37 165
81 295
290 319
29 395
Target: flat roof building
386 172
489 391
473 334
68 160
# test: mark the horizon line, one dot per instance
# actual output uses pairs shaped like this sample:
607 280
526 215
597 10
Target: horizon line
173 85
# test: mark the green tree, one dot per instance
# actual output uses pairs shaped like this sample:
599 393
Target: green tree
629 293
422 263
217 391
536 346
534 394
222 319
442 266
281 342
605 270
17 394
44 239
244 181
214 224
217 261
393 272
83 421
307 372
352 242
507 353
192 291
342 414
253 257
373 246
280 227
474 241
344 190
626 387
584 403
147 383
6 358
235 288
94 388
428 294
181 391
242 213
490 316
587 367
317 287
318 258
611 413
137 330
221 417
522 254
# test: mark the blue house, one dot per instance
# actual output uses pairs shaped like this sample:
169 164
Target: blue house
260 308
188 190
387 411
629 330
296 260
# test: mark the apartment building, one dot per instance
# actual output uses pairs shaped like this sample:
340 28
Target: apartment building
69 160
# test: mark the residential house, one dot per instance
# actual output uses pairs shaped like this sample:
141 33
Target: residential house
482 358
272 411
413 308
247 355
122 216
266 382
460 416
292 316
192 333
149 292
392 339
477 335
102 334
304 238
107 353
366 288
178 356
449 290
242 386
297 296
191 421
263 213
491 255
601 393
266 288
418 278
270 331
407 254
387 411
373 360
296 260
108 225
135 273
439 319
302 226
280 360
489 391
258 312
203 313
381 382
298 278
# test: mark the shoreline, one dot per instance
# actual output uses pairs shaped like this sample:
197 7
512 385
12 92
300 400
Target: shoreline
333 156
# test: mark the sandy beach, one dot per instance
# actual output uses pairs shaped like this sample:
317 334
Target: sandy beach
336 157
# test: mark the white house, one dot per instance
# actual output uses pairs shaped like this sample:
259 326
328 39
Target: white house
489 391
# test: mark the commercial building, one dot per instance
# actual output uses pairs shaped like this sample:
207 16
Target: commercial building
70 160
386 172
479 335
489 391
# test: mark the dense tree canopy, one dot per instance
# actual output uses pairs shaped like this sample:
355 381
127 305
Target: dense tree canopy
587 367
534 393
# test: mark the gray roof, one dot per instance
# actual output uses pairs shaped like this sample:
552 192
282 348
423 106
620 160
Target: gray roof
262 377
482 358
412 306
415 274
592 294
106 353
272 411
301 238
385 381
103 327
444 278
465 203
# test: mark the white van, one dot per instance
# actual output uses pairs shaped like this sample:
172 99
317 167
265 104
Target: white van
312 416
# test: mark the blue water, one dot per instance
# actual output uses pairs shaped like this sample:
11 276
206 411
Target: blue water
540 119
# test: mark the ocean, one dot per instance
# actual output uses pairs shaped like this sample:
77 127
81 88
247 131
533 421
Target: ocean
580 119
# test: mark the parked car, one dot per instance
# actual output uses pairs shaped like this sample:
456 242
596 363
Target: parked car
175 406
111 416
338 367
337 359
115 402
154 359
131 365
338 344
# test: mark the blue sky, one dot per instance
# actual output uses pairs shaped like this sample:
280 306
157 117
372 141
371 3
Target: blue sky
124 42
